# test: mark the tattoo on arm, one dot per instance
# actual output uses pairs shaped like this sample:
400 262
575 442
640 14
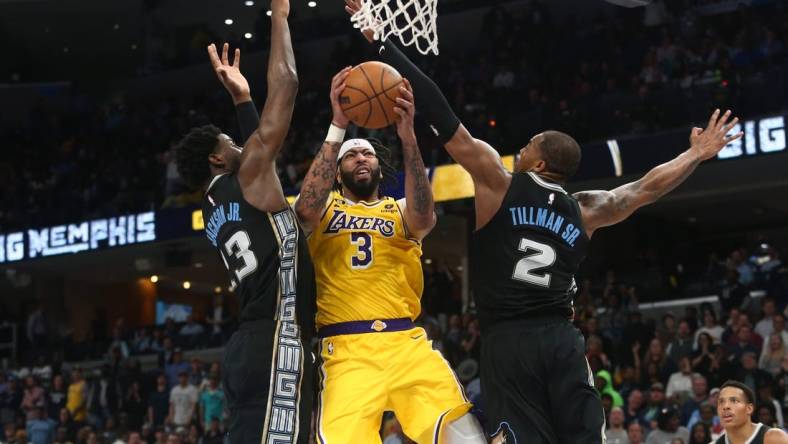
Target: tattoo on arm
320 178
421 190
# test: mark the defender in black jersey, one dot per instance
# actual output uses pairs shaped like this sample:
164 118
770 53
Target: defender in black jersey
734 408
530 238
267 368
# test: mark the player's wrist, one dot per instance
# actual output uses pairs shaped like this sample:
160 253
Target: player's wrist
242 98
336 133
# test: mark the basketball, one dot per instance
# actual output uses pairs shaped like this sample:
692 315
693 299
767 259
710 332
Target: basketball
371 94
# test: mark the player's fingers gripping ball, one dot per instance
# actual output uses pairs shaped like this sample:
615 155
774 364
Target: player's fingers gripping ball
370 95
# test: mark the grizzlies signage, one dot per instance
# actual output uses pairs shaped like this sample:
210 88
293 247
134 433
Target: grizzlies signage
75 238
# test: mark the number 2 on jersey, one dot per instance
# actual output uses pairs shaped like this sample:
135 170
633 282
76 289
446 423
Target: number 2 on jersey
363 256
541 256
238 245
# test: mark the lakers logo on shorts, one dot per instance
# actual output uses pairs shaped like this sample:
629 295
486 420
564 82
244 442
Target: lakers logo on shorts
379 325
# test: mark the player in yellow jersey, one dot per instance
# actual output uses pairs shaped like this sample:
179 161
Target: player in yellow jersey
366 249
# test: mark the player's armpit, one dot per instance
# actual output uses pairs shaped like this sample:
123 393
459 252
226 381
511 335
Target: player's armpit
482 162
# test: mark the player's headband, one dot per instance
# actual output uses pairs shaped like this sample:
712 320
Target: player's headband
354 143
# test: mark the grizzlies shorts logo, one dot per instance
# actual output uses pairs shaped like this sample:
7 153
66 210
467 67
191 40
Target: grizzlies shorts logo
504 435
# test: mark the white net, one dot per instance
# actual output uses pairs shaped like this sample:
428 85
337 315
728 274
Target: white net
413 21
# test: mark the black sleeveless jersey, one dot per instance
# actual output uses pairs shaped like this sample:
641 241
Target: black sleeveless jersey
266 255
523 262
756 438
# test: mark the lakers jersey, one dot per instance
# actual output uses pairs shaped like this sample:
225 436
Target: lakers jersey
367 266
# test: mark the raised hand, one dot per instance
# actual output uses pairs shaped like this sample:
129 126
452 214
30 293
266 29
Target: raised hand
708 142
406 110
280 8
230 74
337 86
352 7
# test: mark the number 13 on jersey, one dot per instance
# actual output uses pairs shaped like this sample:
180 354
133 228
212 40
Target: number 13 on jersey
362 258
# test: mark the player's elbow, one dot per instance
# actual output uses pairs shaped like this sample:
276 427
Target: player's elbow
306 215
283 77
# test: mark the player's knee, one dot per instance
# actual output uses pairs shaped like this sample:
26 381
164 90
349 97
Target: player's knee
463 430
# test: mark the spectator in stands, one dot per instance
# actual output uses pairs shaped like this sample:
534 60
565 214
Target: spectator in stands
605 381
34 398
77 399
706 415
634 406
629 380
64 421
471 343
668 428
667 330
615 432
142 342
213 434
217 321
654 405
9 432
766 397
10 398
176 367
772 356
738 262
56 397
682 344
765 414
134 406
167 352
750 374
704 358
779 327
159 402
700 434
40 430
119 342
743 343
595 354
192 332
680 382
157 341
655 366
61 436
732 292
765 326
196 372
211 402
710 327
635 433
700 394
183 401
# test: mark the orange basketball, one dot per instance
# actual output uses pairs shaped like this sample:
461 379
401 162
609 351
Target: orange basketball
370 95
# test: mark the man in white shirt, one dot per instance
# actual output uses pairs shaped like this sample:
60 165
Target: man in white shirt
183 401
765 326
616 434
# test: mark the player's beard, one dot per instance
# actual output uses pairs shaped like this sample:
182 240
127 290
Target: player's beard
363 190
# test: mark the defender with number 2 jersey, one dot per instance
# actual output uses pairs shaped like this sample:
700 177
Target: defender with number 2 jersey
524 260
372 237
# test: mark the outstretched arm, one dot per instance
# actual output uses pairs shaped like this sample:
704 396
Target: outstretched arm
603 208
418 205
237 86
257 173
322 173
484 164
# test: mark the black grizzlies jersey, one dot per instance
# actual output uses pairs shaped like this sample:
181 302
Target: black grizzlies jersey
757 436
524 260
266 255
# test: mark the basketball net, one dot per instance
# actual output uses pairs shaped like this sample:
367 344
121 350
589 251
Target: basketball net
413 21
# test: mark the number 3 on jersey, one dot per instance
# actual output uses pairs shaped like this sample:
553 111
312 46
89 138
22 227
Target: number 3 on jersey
363 256
541 256
238 246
